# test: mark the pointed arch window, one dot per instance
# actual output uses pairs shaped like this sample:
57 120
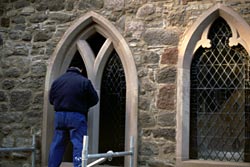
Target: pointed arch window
109 64
219 99
213 91
112 100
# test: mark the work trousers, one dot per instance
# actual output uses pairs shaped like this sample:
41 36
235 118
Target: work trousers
74 124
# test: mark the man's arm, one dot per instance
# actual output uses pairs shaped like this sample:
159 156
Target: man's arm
92 95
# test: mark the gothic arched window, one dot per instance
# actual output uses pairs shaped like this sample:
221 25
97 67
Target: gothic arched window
109 65
219 99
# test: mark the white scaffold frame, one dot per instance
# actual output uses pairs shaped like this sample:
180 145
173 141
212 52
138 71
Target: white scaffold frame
103 156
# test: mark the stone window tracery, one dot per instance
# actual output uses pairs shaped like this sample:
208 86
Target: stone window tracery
218 99
194 59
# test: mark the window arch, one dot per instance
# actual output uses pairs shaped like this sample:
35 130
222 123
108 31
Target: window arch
218 99
95 39
197 42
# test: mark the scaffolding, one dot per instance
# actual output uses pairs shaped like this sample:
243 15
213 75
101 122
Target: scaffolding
103 156
32 149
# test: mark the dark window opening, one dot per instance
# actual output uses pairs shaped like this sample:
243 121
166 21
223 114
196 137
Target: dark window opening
96 41
112 109
219 99
77 59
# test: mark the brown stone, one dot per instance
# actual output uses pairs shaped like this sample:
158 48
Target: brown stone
166 97
170 56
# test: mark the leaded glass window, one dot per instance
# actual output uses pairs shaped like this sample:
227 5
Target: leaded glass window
112 108
219 99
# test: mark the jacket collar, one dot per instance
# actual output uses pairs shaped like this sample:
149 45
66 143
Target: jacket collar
74 69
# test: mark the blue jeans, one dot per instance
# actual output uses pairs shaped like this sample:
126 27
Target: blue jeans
74 124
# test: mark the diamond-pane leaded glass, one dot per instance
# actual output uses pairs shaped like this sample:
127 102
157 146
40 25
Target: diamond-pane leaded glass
112 108
219 102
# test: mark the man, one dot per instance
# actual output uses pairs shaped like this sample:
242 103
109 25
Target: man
72 95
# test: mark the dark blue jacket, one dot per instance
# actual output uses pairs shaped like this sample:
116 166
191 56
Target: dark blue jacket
73 92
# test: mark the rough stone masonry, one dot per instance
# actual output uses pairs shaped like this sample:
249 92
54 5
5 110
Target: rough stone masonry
153 29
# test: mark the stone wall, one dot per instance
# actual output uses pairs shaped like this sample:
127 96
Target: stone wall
30 31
